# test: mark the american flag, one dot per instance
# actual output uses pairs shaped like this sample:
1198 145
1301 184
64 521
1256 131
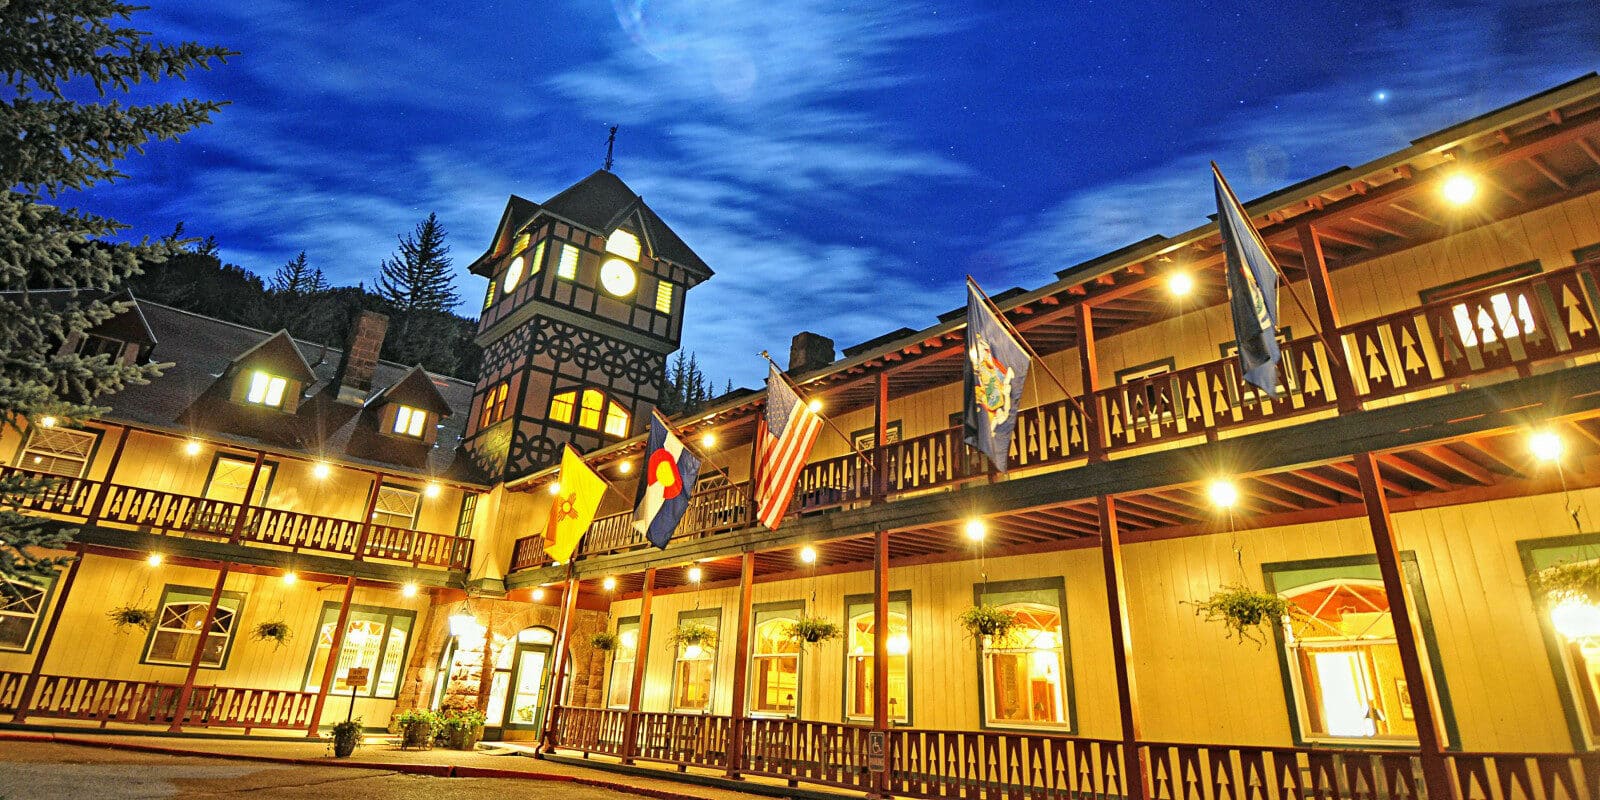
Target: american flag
792 429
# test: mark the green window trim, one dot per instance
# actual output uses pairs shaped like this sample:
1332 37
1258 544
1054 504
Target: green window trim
715 617
311 683
1041 591
231 600
1285 576
901 597
464 518
624 623
1536 554
759 614
47 594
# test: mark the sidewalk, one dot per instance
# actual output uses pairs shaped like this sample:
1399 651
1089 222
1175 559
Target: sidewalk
497 761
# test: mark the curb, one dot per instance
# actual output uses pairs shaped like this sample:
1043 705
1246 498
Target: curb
427 770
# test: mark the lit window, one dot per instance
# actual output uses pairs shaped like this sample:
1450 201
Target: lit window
624 244
859 673
616 420
58 451
1346 665
1493 322
538 258
589 414
374 638
494 404
266 389
396 507
513 275
695 670
568 268
488 295
622 660
1024 673
522 242
21 605
177 632
410 421
664 296
561 407
775 664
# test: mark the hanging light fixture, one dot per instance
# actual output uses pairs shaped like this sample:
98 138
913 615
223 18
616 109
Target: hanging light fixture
808 554
1575 618
695 574
976 529
409 590
1223 493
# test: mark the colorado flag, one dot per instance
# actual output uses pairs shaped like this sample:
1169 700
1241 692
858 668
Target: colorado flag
664 488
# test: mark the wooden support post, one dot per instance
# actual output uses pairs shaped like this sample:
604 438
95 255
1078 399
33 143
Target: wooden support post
1134 769
25 699
880 427
641 649
1327 315
741 663
558 681
335 650
1419 680
880 651
366 520
186 694
249 496
1089 370
105 484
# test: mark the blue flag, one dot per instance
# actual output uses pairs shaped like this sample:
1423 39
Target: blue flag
1252 289
670 471
996 367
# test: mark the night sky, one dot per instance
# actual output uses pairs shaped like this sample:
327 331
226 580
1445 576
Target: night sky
841 165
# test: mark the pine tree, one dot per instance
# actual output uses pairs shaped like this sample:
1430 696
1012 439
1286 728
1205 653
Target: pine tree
297 278
58 265
418 276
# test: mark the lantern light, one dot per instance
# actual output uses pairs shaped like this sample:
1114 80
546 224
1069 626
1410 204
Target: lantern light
154 559
538 593
814 406
808 554
1180 283
1223 493
289 578
610 583
465 626
321 470
1546 445
431 490
976 529
191 447
695 574
408 590
1459 189
708 439
555 487
625 467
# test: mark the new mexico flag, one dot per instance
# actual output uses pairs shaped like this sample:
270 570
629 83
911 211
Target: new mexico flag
574 507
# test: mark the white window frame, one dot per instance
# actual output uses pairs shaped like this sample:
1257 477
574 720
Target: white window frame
1293 646
47 446
230 607
780 614
390 508
621 669
1058 653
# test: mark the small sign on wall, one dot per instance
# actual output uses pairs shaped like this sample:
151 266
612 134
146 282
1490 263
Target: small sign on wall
876 741
357 679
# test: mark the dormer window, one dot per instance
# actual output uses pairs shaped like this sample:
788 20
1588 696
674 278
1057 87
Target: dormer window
266 389
410 421
594 411
623 244
95 345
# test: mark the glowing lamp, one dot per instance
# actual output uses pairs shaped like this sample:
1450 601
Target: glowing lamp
609 584
154 559
814 406
321 470
808 554
625 467
1575 618
898 644
693 651
191 447
408 590
1546 445
555 487
629 639
1223 493
976 530
1180 283
538 593
47 422
431 490
695 574
289 578
708 439
1459 189
465 626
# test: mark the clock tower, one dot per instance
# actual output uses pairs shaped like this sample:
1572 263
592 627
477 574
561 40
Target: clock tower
584 304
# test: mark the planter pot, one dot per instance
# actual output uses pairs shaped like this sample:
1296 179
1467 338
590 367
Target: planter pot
464 738
417 734
343 746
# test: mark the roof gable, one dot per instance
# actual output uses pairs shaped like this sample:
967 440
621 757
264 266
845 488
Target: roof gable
416 389
278 354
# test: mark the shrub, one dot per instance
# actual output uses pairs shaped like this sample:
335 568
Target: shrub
463 729
346 737
417 727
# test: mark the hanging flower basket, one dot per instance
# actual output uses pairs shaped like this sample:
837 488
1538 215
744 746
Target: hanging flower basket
985 623
813 630
604 641
1567 581
128 617
1248 615
276 632
693 633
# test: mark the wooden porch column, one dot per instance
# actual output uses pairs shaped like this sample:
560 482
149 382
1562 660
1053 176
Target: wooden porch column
1419 681
880 427
880 651
741 663
1134 772
249 497
558 681
186 694
366 518
1327 315
641 649
25 700
335 651
1089 372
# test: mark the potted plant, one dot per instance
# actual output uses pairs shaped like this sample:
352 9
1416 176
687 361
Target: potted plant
128 617
417 727
603 641
987 624
276 632
463 729
693 634
346 736
1246 613
1567 580
812 630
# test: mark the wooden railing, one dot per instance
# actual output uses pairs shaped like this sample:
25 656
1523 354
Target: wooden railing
170 513
1017 764
107 700
723 508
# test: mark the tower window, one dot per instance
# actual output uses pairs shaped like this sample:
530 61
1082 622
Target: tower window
664 296
591 409
513 274
494 404
522 242
488 295
561 407
266 389
624 244
568 268
410 421
538 259
589 415
616 421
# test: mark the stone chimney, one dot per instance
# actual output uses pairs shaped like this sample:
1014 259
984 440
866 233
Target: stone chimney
360 359
809 351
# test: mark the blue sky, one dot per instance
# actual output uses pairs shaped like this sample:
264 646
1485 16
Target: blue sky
841 165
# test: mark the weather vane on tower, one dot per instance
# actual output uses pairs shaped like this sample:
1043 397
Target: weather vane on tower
611 143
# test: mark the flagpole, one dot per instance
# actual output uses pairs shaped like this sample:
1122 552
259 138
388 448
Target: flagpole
1311 318
835 428
1024 342
704 458
596 474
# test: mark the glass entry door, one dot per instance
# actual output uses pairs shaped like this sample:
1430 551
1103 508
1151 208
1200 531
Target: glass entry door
525 710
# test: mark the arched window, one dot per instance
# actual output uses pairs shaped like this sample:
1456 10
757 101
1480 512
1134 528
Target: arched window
859 671
1346 670
616 421
494 404
1024 674
774 664
589 412
591 407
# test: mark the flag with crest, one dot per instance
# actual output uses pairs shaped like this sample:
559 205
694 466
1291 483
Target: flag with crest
996 367
1252 289
578 493
670 471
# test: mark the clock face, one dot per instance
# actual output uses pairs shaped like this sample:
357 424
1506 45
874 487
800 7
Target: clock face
618 278
513 275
